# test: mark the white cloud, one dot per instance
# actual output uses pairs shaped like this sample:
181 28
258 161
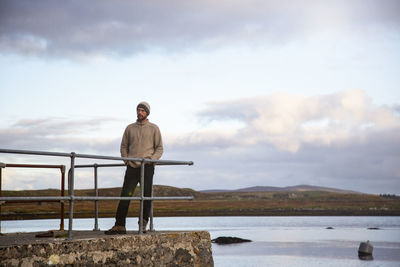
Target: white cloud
340 140
289 121
76 28
60 134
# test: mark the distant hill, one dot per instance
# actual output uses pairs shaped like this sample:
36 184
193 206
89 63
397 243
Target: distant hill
163 190
296 188
158 190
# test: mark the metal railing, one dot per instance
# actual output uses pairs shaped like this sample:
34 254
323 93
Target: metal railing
42 166
71 179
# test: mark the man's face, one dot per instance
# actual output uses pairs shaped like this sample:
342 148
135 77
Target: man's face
141 114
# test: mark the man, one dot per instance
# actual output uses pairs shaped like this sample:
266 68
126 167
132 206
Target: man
141 139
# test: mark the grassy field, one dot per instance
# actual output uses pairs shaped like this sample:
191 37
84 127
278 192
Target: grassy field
290 203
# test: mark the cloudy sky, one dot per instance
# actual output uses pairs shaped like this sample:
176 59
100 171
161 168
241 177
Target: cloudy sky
268 93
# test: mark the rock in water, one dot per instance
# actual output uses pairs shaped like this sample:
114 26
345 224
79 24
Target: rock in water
223 240
365 251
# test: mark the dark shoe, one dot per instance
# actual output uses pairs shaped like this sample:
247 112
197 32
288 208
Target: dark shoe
116 230
144 225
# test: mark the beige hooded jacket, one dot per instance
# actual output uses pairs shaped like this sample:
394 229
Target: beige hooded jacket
141 140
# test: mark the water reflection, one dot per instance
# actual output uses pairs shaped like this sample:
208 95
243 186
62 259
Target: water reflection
277 241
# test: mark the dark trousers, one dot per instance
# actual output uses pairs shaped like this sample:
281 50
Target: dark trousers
131 179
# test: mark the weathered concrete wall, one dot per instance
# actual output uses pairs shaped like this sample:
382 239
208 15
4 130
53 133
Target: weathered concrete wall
153 249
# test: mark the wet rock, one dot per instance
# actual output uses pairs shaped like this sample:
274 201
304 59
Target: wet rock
365 251
223 240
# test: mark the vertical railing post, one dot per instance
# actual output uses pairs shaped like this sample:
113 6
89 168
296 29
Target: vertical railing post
2 165
141 196
71 195
62 194
96 205
151 212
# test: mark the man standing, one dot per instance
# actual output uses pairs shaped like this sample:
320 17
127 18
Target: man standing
141 139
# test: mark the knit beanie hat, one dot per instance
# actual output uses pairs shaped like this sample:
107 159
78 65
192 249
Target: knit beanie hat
144 105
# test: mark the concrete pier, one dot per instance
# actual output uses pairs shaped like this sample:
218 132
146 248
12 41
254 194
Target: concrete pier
94 248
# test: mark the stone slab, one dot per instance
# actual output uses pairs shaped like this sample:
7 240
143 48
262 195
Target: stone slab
94 248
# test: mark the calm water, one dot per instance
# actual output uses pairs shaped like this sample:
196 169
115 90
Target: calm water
277 241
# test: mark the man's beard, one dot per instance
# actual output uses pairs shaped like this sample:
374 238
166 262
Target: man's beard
141 118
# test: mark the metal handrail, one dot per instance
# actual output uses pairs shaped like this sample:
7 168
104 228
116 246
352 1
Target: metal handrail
71 197
95 166
47 166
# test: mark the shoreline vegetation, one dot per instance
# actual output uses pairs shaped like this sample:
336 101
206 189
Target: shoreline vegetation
296 201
